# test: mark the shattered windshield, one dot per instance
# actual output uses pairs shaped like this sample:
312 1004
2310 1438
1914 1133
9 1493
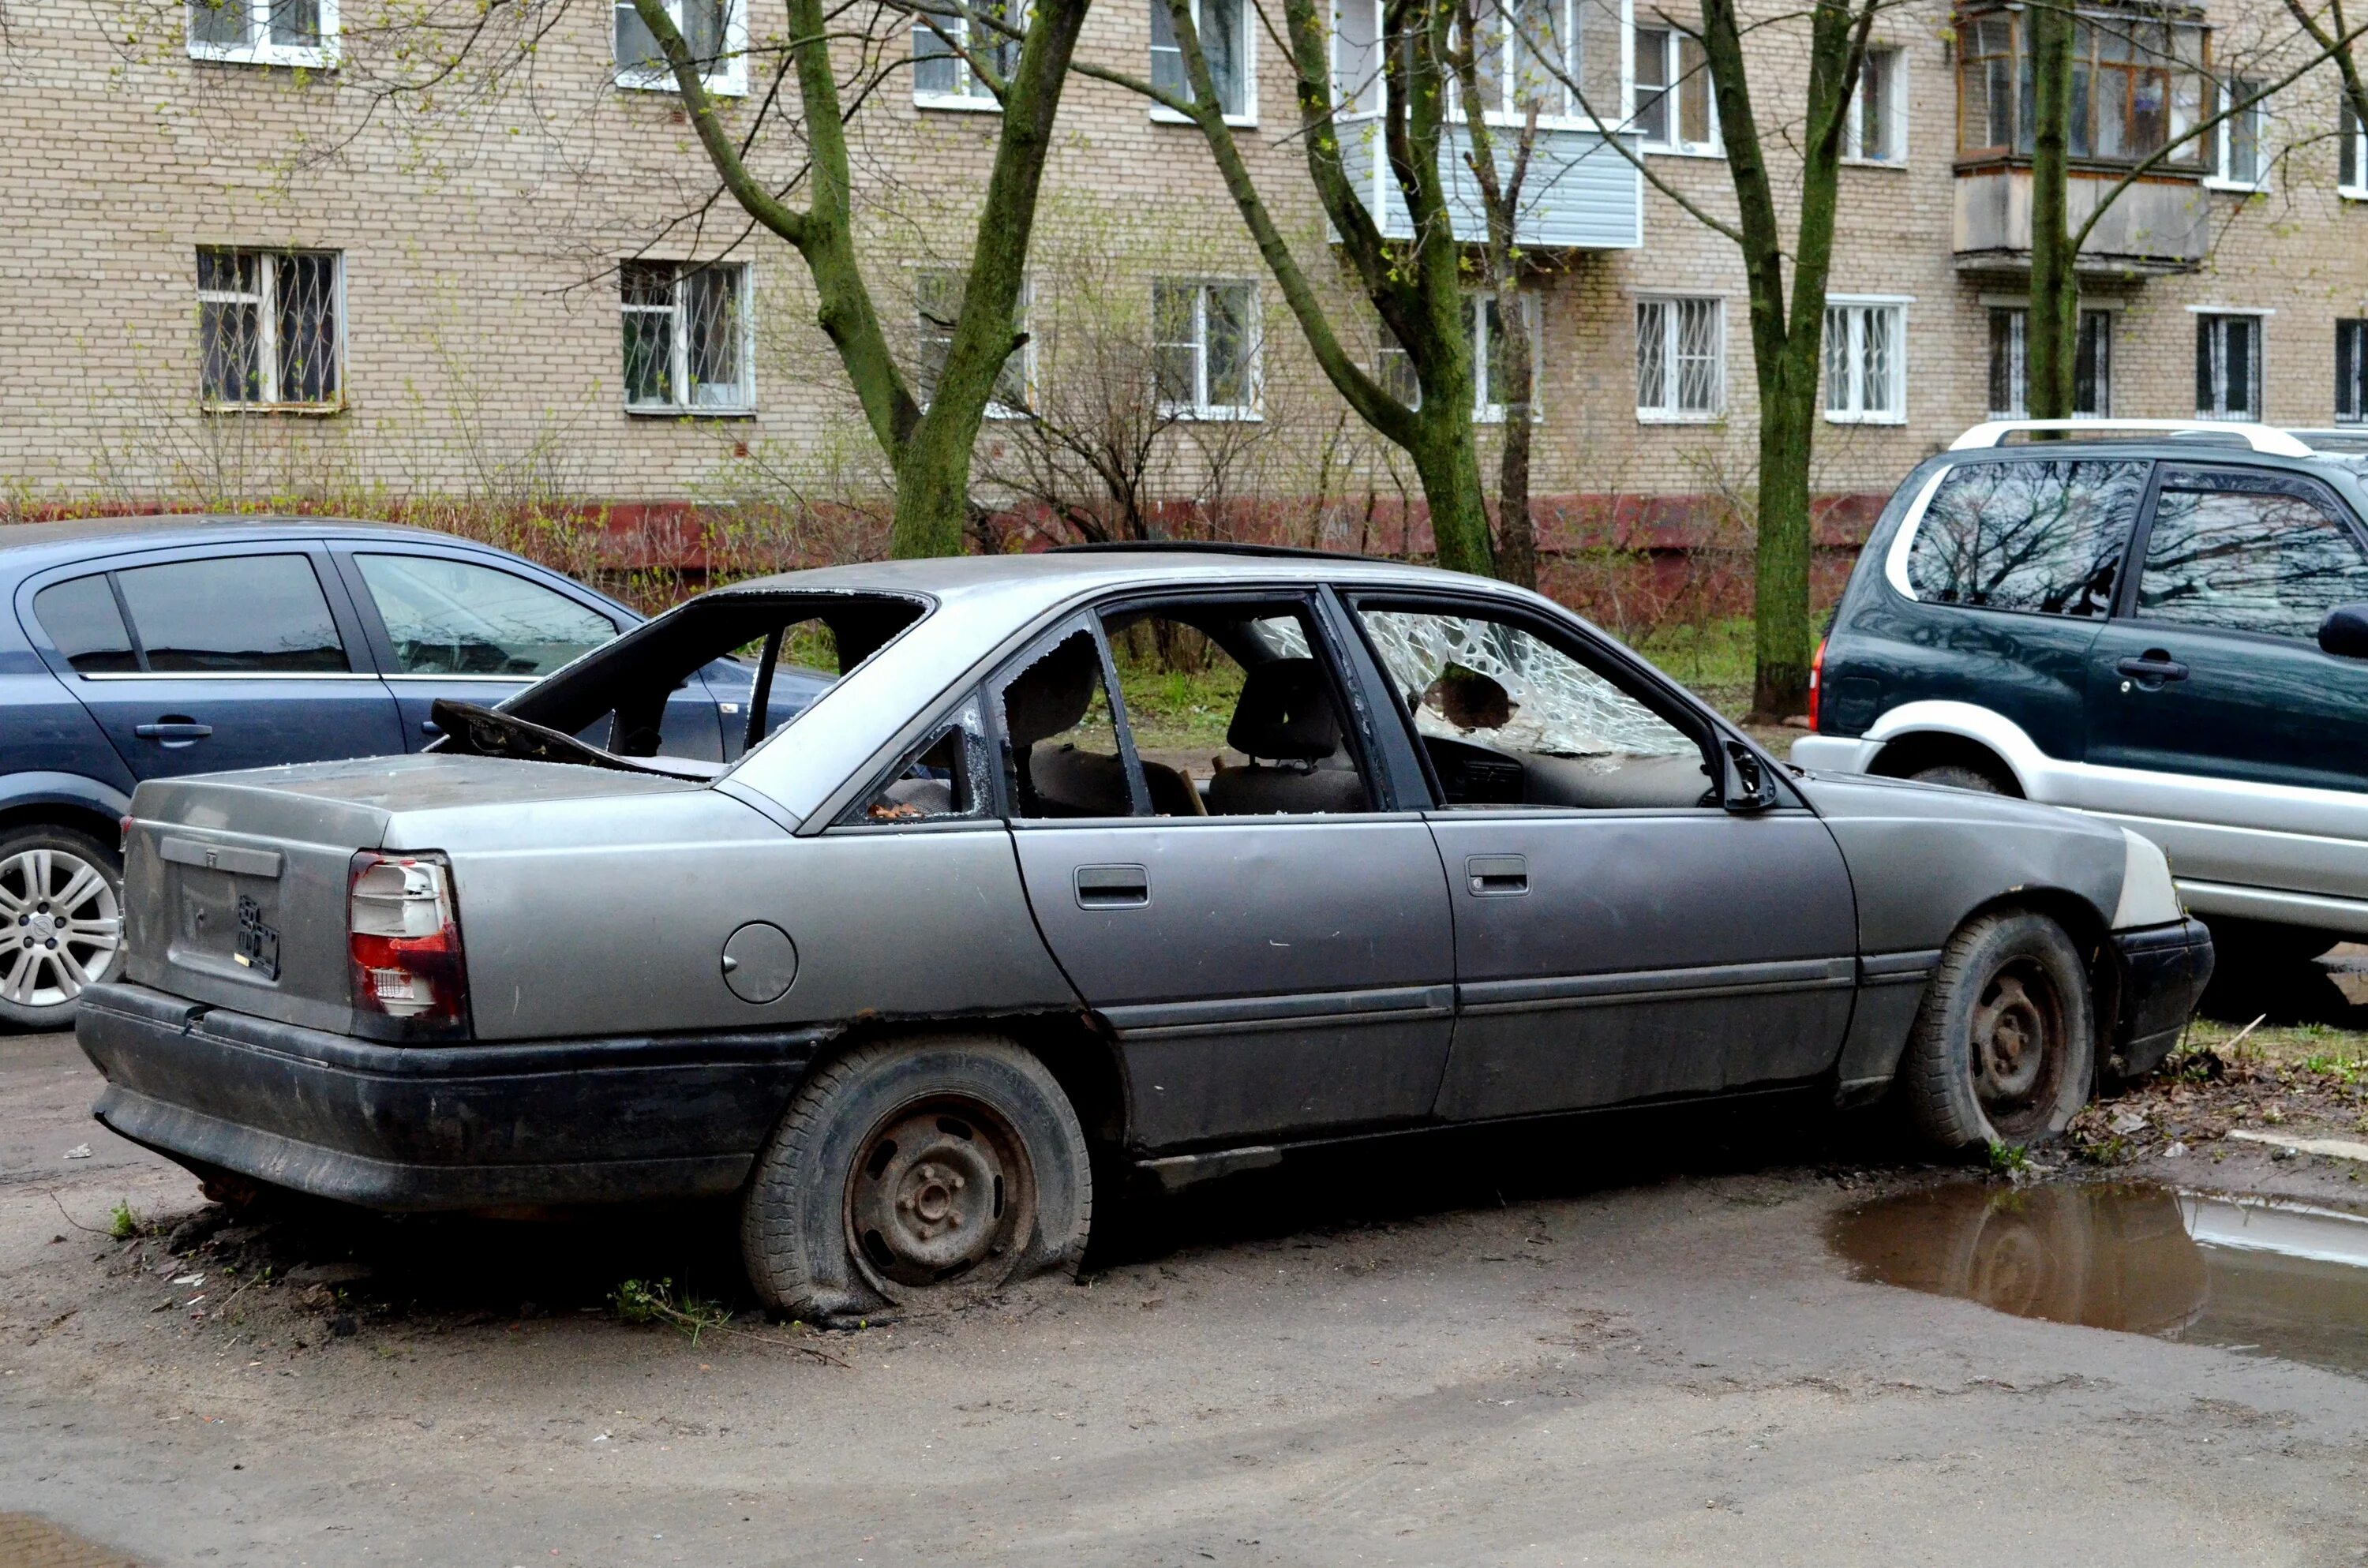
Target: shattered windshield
1462 674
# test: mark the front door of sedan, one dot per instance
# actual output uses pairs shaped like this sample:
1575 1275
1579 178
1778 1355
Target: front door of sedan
212 662
1619 934
2216 725
449 626
1272 952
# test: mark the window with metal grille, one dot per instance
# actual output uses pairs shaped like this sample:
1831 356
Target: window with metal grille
948 35
2227 367
1874 130
937 306
1866 363
264 32
1673 103
1205 349
1681 360
687 337
270 329
1224 27
714 33
2092 364
2352 371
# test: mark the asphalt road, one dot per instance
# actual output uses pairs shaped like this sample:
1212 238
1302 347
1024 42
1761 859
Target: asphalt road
1625 1344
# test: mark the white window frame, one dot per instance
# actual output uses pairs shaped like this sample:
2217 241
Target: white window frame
2217 178
2359 415
679 341
2019 349
2257 414
1201 408
973 96
1894 110
1672 51
729 79
1485 409
1856 309
266 315
1025 353
1249 117
259 50
1508 109
2347 127
1667 413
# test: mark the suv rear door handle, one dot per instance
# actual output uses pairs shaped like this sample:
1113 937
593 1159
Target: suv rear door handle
1496 876
172 731
2153 667
1111 887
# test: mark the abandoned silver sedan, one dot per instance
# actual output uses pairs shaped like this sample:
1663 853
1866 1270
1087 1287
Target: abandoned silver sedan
1158 860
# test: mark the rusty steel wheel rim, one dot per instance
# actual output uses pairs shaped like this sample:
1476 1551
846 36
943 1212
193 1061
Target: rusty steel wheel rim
2019 1047
940 1197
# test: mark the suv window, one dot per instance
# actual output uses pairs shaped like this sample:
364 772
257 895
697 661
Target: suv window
454 618
85 625
2044 536
262 614
2248 552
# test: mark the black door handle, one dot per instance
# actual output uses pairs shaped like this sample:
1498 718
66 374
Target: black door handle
2152 668
1112 887
172 731
1496 876
430 728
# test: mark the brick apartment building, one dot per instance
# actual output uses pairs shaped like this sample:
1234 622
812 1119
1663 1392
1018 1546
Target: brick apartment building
238 268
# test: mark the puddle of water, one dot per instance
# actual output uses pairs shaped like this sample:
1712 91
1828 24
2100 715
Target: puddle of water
2281 1278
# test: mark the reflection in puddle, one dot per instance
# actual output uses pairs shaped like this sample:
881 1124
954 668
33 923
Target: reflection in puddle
2283 1278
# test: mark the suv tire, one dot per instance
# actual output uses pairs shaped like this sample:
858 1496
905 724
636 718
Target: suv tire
2004 1048
917 1176
1956 776
2243 946
61 922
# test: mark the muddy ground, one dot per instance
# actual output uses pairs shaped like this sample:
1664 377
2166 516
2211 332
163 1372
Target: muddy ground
1611 1342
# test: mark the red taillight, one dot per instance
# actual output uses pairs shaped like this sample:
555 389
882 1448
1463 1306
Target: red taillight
1816 679
406 940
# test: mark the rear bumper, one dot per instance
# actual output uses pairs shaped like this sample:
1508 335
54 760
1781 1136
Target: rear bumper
426 1128
2164 971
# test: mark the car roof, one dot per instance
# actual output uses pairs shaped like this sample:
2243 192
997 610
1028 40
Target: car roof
23 546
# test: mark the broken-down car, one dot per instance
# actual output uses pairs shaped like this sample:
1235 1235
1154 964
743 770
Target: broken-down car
989 917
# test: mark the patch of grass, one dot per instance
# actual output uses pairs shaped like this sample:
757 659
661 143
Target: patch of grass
654 1301
2007 1159
1175 709
1709 655
123 1224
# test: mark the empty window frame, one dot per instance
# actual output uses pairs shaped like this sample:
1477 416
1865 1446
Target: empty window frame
937 306
1205 349
2092 364
264 32
1866 362
1874 130
1224 27
1525 53
949 35
2239 143
714 33
687 338
1681 360
2228 366
270 330
1674 109
2352 371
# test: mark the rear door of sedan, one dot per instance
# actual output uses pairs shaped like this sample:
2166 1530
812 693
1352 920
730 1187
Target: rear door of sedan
205 660
1620 935
1273 950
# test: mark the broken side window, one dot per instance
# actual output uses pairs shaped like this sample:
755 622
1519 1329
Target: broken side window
942 780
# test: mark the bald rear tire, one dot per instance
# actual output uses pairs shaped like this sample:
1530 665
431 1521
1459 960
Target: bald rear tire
2004 1048
915 1177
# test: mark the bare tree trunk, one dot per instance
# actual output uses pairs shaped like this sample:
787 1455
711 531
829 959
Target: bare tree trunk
1517 539
2051 334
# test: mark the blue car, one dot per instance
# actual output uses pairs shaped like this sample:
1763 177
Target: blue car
148 647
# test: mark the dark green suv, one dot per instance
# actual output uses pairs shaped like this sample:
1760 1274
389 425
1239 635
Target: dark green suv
2169 630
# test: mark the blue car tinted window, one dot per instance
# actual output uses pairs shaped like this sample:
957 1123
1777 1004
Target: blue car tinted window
262 614
448 618
2041 535
2247 553
83 622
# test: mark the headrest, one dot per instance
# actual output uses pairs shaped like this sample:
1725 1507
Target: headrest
1285 713
1051 694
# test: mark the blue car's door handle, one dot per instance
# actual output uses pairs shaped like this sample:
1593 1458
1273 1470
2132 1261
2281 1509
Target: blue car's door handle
172 731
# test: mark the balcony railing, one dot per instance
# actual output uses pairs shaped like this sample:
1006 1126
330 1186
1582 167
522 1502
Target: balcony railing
1578 194
2154 226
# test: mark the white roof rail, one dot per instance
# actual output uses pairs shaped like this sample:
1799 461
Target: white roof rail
2260 438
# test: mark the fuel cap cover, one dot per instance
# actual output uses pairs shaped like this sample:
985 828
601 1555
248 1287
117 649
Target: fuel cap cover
759 962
